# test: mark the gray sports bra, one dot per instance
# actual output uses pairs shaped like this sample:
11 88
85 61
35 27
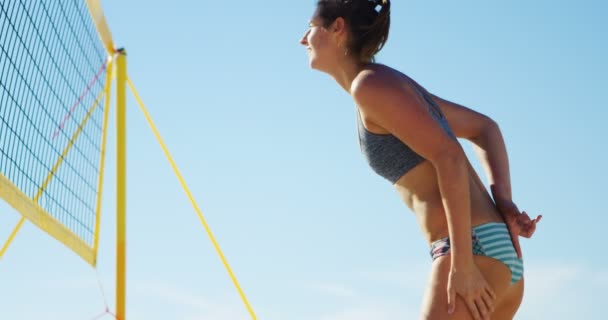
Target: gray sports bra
386 154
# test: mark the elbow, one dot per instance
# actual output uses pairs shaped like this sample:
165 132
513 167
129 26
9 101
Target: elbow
450 158
488 129
490 125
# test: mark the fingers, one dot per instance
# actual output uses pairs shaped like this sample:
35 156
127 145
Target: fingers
484 311
515 240
473 309
528 231
529 228
485 303
490 293
481 306
451 301
524 218
476 293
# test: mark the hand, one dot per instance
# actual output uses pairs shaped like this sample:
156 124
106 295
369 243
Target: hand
470 284
519 223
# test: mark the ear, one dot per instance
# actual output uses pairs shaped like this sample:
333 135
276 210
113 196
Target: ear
339 31
338 26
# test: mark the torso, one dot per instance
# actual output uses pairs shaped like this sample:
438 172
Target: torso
419 190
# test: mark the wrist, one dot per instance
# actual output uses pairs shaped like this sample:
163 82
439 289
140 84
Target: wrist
461 259
500 193
462 263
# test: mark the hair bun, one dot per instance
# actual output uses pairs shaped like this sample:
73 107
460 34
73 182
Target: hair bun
368 24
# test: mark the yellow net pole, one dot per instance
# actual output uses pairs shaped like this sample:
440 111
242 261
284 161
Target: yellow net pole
121 183
192 201
106 112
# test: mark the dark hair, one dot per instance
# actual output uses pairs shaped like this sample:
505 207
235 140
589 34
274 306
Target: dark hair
367 21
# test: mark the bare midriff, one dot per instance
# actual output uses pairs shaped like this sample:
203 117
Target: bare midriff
419 189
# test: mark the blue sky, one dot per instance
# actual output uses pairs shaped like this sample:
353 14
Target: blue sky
269 150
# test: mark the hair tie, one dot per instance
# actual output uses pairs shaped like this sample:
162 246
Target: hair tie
381 3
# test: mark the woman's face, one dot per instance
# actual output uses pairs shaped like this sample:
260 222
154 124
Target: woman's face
321 45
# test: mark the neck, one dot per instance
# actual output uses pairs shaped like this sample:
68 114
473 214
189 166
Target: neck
345 72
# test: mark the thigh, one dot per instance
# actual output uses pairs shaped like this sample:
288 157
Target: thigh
435 304
510 303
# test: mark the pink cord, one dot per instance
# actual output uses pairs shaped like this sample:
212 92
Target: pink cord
69 114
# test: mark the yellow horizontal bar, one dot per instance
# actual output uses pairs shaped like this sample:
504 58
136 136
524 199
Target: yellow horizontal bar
62 238
100 23
38 216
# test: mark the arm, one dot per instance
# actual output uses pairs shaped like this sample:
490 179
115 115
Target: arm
488 144
398 110
492 152
490 147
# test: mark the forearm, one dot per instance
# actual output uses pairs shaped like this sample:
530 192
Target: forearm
492 152
452 176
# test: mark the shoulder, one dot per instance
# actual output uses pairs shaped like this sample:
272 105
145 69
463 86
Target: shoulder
381 87
367 80
371 79
389 100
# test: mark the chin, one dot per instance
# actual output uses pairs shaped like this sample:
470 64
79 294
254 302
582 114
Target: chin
314 64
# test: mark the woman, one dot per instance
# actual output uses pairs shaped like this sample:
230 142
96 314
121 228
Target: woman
477 271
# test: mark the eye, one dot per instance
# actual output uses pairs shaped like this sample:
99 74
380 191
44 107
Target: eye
312 25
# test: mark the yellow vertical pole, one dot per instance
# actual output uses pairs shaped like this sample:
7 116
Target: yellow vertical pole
102 155
121 182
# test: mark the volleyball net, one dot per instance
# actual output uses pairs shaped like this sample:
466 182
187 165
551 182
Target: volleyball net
57 64
53 74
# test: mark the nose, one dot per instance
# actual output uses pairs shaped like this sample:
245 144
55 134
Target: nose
304 40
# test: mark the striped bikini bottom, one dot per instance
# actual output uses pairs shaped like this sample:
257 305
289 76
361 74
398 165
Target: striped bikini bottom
491 240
